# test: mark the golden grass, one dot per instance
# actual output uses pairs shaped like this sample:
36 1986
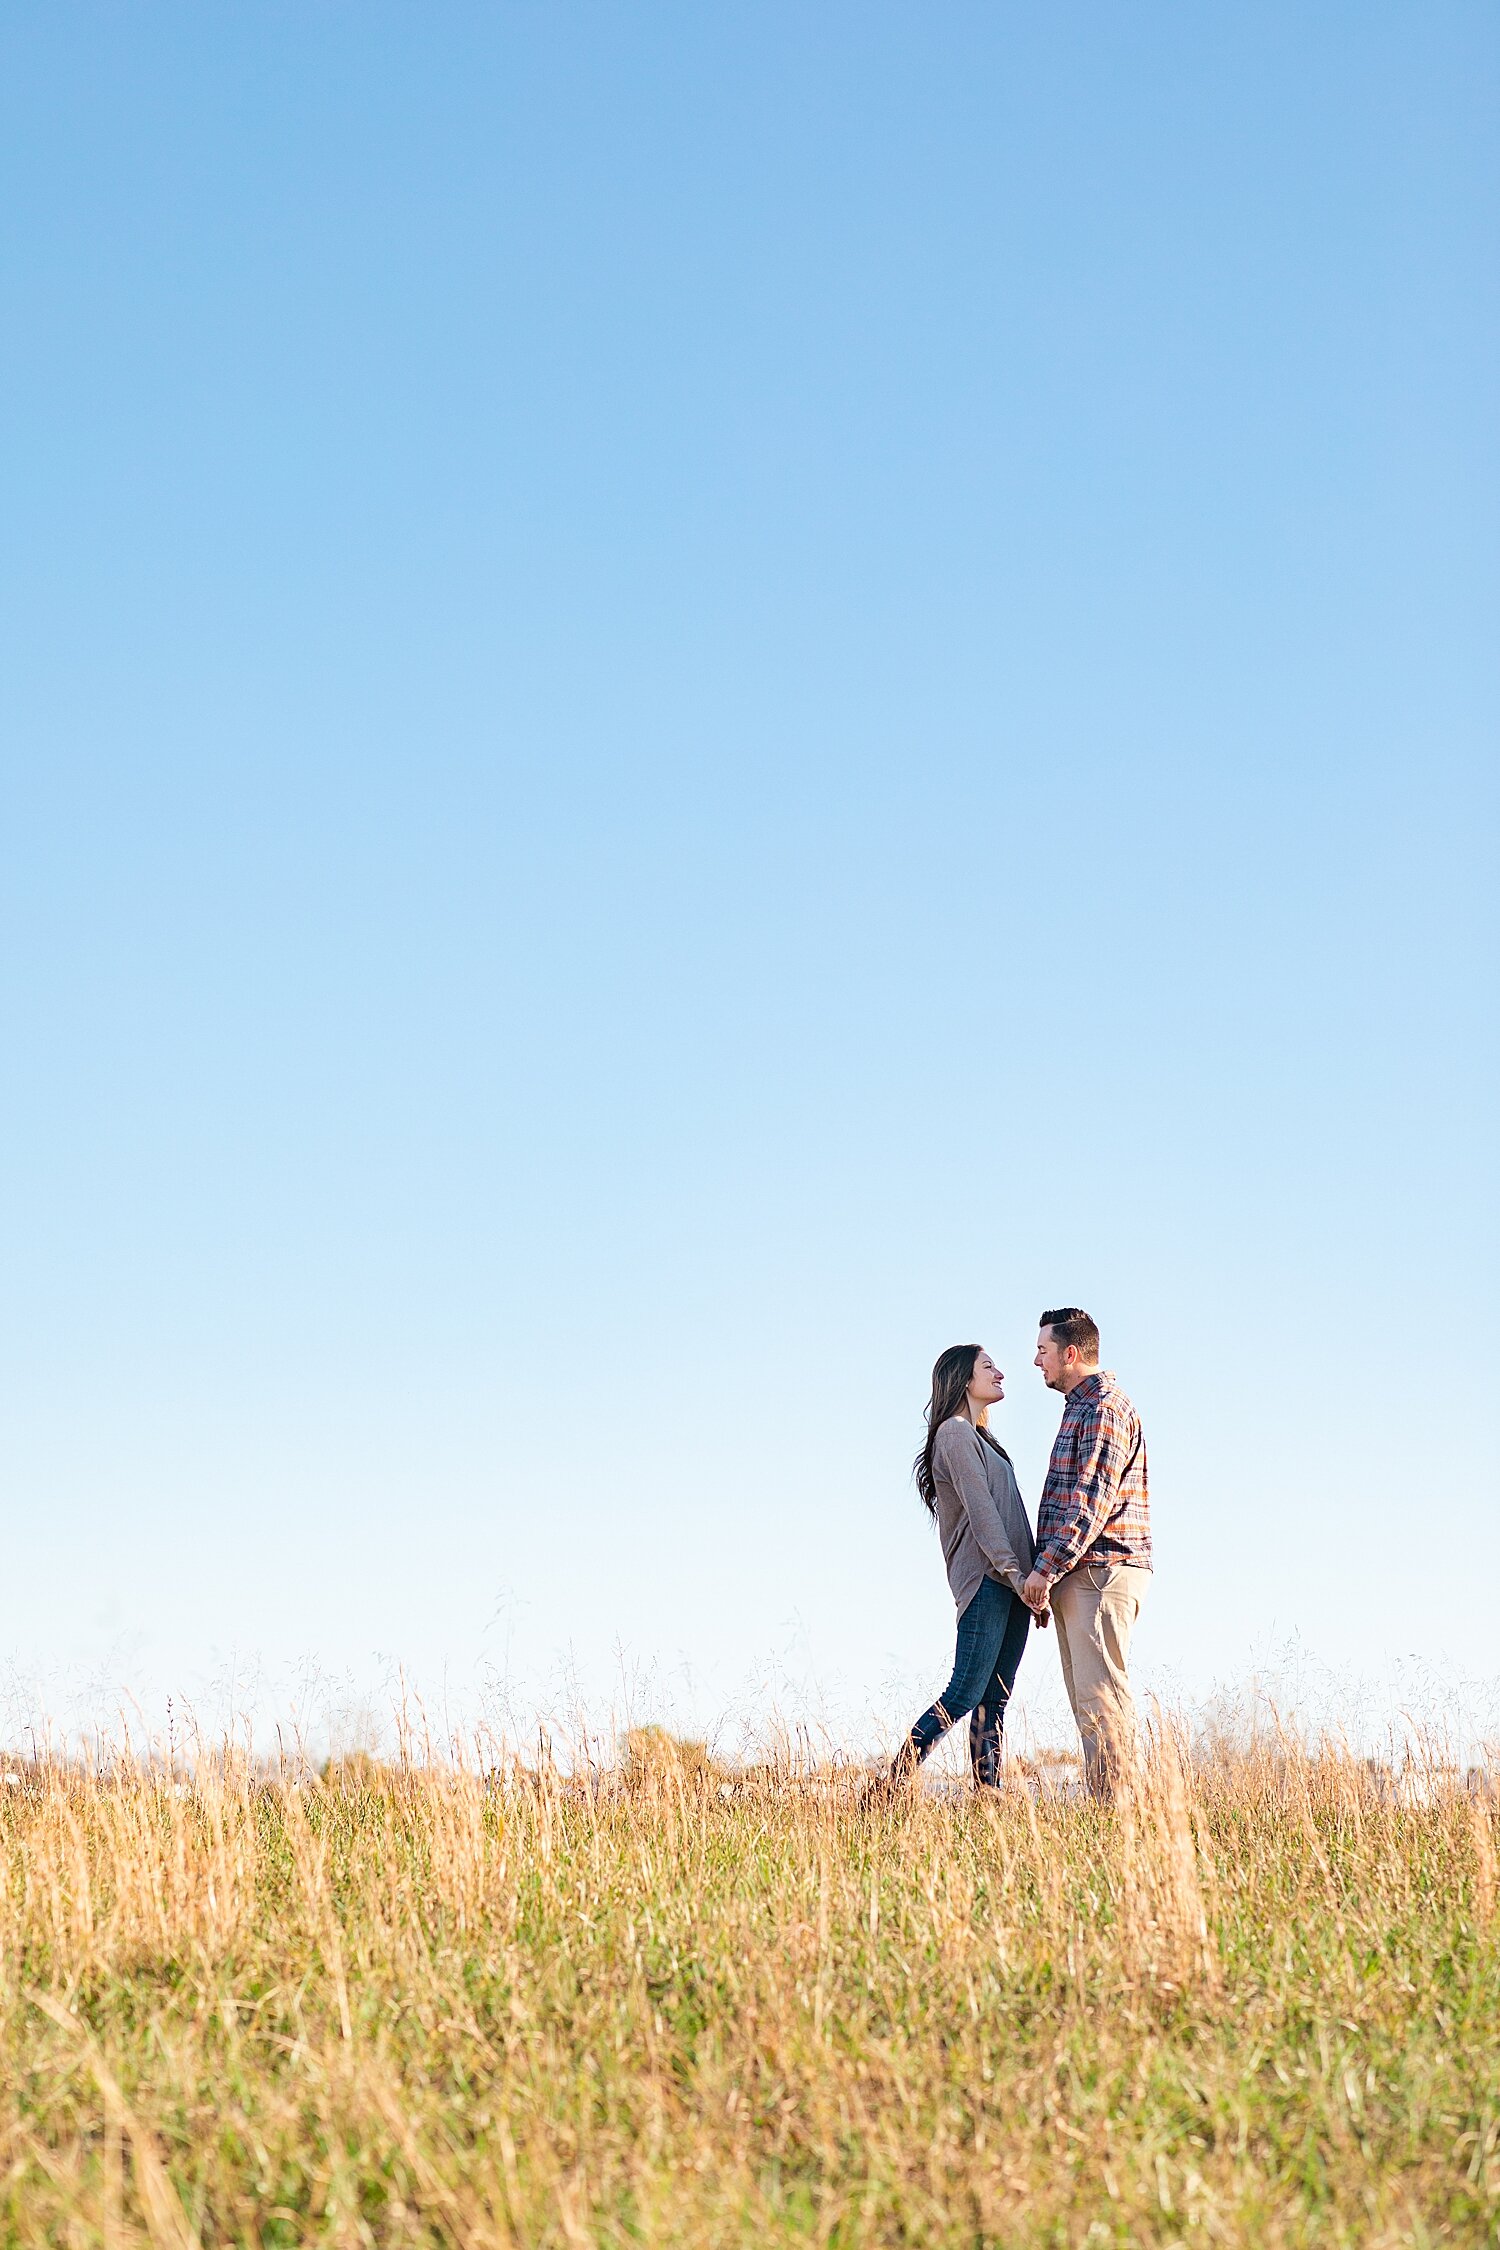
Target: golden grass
404 2005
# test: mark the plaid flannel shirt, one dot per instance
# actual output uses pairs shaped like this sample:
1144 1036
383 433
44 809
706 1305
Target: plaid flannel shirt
1095 1503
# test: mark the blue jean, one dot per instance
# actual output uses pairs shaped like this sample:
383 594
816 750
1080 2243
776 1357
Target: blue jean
991 1637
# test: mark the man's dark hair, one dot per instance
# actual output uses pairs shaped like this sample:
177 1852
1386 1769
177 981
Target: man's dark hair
1070 1324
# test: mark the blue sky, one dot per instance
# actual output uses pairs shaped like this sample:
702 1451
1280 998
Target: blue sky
698 699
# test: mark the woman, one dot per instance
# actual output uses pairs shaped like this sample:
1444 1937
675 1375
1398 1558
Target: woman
970 1490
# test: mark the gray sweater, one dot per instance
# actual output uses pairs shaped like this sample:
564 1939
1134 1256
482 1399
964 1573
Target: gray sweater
980 1518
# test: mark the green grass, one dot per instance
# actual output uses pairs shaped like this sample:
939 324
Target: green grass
1261 2006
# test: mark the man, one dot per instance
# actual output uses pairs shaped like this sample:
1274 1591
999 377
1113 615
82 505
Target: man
1093 1552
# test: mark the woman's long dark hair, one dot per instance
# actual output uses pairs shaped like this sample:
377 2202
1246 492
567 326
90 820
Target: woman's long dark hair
950 1383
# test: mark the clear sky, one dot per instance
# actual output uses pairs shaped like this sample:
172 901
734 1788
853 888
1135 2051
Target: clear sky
696 699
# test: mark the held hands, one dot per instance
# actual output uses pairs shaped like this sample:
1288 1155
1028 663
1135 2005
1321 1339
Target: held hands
1035 1593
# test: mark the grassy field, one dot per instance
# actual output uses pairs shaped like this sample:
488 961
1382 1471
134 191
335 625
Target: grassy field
404 2005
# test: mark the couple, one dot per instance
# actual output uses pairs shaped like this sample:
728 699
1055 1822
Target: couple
1086 1571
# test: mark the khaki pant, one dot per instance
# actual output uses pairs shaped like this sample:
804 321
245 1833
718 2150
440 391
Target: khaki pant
1093 1609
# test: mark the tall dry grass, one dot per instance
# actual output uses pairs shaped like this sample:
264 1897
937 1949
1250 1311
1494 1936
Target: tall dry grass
1259 2004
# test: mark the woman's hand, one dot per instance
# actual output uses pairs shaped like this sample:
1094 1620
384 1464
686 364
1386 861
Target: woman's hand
1036 1593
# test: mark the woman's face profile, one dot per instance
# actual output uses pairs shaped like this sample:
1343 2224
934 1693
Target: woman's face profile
986 1384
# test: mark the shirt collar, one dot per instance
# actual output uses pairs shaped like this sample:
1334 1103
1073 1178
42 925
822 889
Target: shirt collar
1092 1387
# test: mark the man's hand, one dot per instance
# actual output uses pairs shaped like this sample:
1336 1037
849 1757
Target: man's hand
1036 1593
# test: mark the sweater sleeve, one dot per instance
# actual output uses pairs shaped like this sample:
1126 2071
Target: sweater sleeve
958 1455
